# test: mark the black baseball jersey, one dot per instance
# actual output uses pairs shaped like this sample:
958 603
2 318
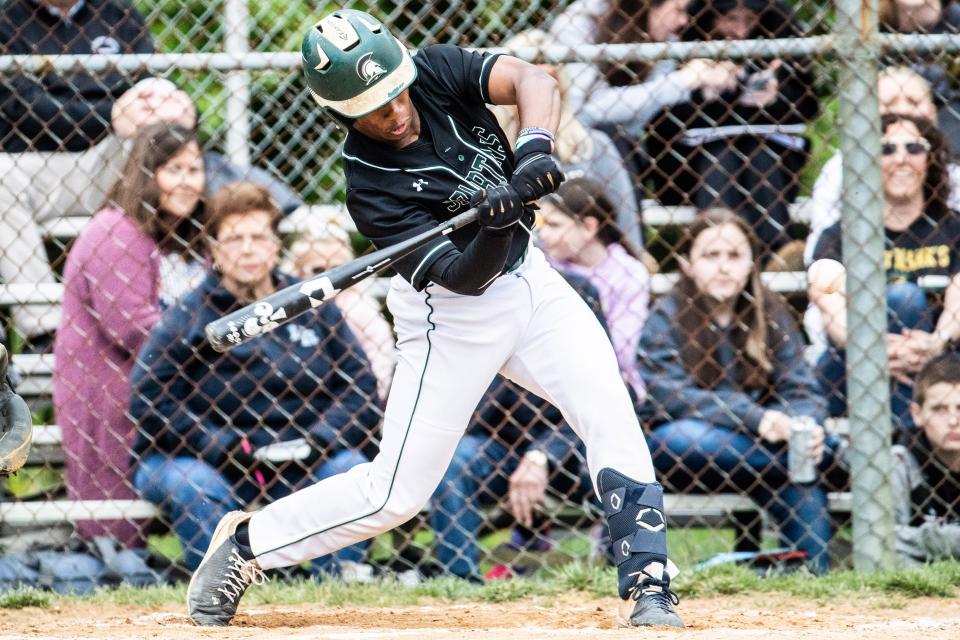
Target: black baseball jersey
394 194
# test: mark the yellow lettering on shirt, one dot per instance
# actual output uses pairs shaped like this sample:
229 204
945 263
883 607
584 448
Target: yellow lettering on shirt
904 260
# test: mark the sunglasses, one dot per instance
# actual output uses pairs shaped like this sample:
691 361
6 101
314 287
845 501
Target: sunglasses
913 147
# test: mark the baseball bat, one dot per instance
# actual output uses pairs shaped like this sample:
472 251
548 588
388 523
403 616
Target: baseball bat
282 306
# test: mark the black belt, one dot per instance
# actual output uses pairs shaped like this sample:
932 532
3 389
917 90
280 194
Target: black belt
519 261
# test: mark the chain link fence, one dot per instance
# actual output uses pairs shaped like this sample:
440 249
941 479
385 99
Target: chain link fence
713 151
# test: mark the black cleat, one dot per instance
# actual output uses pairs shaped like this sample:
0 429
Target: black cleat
651 604
222 577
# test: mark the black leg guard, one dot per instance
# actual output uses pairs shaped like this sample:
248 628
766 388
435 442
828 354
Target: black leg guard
638 530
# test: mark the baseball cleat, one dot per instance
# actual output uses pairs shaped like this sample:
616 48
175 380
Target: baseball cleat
222 577
651 604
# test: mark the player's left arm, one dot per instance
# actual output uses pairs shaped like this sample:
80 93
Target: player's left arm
537 96
533 90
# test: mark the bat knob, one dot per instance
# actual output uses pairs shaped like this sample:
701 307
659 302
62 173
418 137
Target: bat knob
217 337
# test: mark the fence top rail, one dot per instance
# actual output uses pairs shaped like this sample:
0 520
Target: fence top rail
555 54
809 46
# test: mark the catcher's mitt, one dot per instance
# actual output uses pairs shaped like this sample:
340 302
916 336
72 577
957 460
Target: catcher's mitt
16 425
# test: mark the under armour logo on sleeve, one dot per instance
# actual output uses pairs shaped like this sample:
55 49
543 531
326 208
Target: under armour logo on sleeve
418 185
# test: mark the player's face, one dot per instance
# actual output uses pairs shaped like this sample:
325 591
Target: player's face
905 168
246 249
905 94
720 262
180 181
667 19
940 416
562 237
395 123
737 24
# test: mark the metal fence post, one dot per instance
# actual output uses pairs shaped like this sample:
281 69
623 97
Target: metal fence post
868 389
237 43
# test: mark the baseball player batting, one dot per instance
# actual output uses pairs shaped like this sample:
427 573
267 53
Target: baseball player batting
421 147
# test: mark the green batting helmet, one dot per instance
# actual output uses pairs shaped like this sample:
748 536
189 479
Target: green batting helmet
353 64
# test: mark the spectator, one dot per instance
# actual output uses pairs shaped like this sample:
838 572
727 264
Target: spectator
922 239
579 236
620 99
926 468
900 90
725 375
581 151
58 152
140 253
517 449
928 16
318 251
217 432
170 104
740 147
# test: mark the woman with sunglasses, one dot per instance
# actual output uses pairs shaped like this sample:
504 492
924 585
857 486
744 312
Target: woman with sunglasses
922 239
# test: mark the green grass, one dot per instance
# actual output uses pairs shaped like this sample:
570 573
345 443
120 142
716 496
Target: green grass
20 598
33 481
939 580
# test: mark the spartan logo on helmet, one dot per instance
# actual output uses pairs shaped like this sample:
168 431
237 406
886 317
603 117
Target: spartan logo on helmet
369 69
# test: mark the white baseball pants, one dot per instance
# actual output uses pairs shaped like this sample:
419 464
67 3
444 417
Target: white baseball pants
531 326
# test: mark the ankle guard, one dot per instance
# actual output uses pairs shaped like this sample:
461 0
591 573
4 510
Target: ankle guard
638 530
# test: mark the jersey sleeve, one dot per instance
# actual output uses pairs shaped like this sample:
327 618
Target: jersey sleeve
387 221
463 74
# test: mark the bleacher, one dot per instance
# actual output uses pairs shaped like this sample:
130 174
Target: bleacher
725 510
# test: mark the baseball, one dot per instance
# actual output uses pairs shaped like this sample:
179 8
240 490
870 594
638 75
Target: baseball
827 276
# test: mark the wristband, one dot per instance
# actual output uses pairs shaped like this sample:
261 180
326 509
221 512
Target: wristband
530 134
535 130
530 137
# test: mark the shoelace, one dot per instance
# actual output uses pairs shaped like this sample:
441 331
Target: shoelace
662 596
242 574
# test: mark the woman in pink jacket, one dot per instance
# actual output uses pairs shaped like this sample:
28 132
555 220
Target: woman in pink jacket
137 255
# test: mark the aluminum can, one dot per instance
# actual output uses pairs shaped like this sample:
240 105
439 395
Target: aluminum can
799 461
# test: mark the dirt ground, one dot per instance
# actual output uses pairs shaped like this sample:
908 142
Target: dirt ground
733 618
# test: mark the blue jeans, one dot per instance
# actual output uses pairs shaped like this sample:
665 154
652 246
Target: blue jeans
693 456
907 308
196 496
478 475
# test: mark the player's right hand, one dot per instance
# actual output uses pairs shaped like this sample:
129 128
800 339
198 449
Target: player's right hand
502 208
537 173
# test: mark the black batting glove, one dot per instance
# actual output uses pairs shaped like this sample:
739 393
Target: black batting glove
501 209
536 173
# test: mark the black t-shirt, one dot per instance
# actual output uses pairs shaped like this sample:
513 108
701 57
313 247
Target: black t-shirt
394 194
939 493
927 247
67 111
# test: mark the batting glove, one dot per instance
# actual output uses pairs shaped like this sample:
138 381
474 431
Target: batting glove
536 173
502 208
